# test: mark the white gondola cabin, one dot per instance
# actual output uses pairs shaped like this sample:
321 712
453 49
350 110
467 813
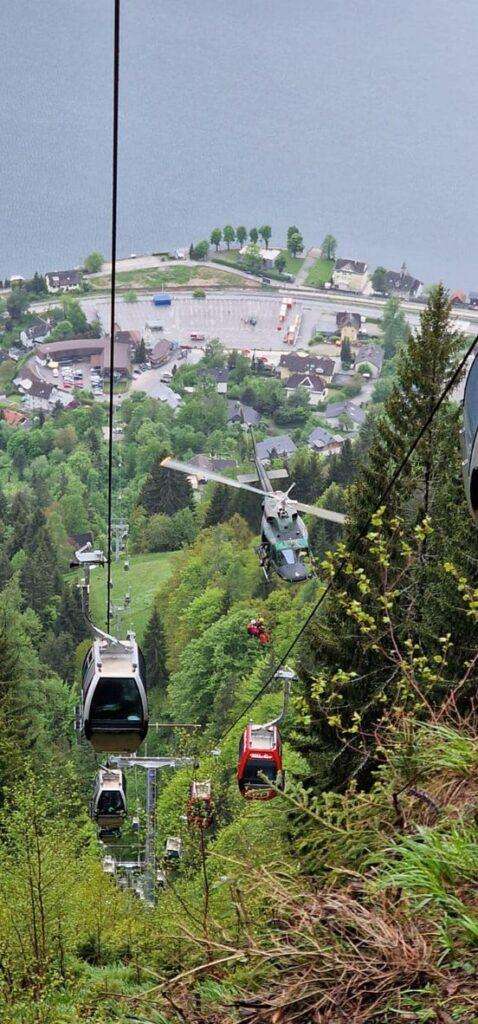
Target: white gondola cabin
174 848
115 707
109 865
108 807
161 880
469 437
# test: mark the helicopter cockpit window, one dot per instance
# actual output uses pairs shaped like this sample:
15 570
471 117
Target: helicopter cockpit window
286 557
117 700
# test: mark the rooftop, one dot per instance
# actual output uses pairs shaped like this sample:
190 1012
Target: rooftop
351 266
346 319
370 354
312 381
280 445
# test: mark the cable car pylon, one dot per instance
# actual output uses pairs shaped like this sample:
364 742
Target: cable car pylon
151 765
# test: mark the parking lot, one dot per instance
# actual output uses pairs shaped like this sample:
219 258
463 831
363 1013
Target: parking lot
225 316
74 375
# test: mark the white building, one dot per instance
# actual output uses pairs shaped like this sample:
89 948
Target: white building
350 275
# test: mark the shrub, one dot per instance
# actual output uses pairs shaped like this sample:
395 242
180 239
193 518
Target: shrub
199 293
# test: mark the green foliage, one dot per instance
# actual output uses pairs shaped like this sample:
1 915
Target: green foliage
346 354
216 236
229 235
252 257
130 296
280 262
395 329
295 243
379 280
329 247
94 262
165 491
265 232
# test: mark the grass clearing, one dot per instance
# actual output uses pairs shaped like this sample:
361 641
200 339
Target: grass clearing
155 277
292 263
320 273
146 574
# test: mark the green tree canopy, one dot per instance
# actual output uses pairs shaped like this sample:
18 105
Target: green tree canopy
241 234
379 280
329 247
94 262
229 235
265 232
295 243
165 491
280 263
216 236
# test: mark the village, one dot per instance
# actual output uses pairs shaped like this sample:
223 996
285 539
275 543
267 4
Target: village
322 343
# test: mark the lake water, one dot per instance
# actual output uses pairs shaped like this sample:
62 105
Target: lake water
337 115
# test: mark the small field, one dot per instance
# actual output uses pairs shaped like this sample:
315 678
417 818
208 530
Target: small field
151 278
320 273
292 263
146 574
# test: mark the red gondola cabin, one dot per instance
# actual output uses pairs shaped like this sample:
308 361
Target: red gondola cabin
260 762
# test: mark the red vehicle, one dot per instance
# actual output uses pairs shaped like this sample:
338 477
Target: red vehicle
197 337
260 762
200 808
257 628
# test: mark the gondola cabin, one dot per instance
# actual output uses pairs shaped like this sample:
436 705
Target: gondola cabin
469 438
200 809
174 848
260 762
109 865
135 823
161 880
108 807
115 707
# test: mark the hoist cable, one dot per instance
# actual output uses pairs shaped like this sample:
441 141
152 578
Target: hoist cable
359 536
114 211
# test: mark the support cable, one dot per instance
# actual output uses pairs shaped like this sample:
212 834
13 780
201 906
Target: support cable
359 536
114 212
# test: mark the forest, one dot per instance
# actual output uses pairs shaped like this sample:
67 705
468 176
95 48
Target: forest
352 894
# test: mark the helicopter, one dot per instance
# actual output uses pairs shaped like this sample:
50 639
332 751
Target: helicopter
284 546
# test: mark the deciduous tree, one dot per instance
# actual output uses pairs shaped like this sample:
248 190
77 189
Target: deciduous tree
216 236
94 262
265 232
329 247
229 235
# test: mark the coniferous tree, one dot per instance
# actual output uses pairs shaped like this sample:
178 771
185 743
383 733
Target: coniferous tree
430 487
154 650
165 491
219 506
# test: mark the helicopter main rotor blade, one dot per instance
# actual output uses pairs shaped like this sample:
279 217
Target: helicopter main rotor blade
209 474
314 510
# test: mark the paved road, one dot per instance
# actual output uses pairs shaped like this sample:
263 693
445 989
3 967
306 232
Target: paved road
312 255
